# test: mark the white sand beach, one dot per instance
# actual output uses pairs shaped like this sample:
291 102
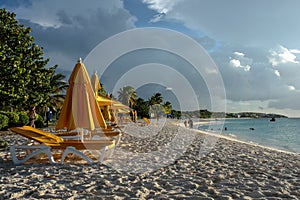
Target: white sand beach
174 163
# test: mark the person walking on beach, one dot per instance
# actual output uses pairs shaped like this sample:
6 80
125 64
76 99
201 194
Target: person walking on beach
190 123
32 115
48 116
185 123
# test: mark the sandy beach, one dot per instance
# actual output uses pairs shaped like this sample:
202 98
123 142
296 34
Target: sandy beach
171 163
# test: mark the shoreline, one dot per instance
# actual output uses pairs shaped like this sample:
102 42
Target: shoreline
246 142
234 138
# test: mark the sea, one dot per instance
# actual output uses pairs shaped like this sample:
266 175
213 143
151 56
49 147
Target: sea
282 134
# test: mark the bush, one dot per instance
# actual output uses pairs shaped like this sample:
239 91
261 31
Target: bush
39 121
3 144
3 121
23 118
13 117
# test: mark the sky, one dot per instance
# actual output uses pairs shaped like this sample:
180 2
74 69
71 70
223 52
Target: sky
254 45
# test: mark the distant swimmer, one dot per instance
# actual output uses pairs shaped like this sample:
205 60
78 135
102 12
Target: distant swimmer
273 119
252 129
225 128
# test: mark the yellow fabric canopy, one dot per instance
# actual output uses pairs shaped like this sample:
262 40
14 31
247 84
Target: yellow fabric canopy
80 108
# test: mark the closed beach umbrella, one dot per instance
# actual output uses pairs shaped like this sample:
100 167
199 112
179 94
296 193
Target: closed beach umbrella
80 108
104 101
95 83
106 113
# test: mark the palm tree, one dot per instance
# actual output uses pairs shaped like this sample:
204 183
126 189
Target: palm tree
58 88
155 99
127 95
168 107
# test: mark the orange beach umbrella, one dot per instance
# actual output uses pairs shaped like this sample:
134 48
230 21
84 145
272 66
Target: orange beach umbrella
80 108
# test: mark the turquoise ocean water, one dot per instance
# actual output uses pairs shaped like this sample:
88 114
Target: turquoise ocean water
283 134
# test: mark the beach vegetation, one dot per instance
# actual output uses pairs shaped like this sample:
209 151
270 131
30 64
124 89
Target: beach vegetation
3 144
168 107
102 90
13 117
142 108
58 89
39 121
176 114
127 95
25 80
155 99
3 121
23 118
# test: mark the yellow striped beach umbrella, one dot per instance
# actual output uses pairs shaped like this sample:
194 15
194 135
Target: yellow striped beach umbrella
80 108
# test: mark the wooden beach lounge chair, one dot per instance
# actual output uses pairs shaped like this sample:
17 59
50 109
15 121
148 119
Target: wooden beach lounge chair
49 142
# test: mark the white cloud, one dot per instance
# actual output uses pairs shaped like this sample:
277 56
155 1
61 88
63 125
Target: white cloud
277 73
247 68
294 51
240 61
291 87
283 55
239 54
161 6
235 63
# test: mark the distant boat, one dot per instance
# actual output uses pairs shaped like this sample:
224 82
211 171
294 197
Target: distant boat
272 120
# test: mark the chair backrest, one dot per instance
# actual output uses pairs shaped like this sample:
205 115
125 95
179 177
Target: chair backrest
56 142
37 135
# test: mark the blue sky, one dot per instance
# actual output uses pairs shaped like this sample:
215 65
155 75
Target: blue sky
254 44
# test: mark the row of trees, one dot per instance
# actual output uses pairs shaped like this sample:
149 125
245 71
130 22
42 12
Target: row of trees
24 79
155 104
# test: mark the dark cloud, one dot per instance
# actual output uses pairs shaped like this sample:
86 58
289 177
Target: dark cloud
75 34
289 101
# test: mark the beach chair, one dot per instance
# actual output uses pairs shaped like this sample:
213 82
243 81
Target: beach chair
49 142
98 133
146 120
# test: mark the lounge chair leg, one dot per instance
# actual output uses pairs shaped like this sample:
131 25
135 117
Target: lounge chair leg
75 151
41 149
103 154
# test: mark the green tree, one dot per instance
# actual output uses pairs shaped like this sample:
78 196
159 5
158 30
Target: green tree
24 81
155 99
176 114
58 89
168 107
127 95
142 108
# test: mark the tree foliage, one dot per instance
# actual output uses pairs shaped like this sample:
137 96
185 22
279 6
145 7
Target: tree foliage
168 107
127 95
155 99
58 87
142 108
24 80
